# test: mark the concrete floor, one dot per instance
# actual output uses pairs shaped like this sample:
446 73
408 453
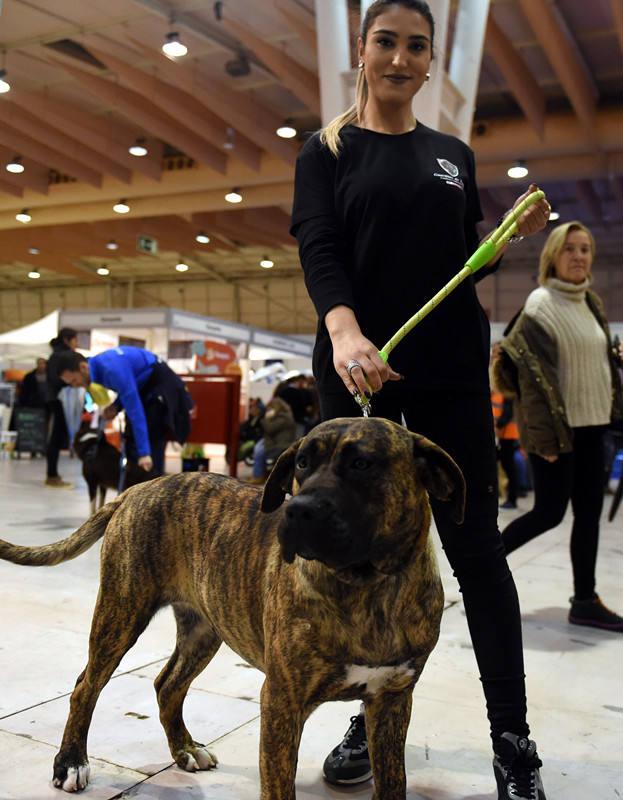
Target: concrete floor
574 681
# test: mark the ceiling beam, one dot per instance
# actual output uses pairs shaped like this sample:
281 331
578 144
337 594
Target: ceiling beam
8 187
20 142
305 33
520 80
270 220
183 106
140 110
231 225
300 81
562 51
241 111
187 203
61 115
40 131
563 168
35 176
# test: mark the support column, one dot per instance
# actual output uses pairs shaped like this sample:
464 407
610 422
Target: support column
333 56
466 58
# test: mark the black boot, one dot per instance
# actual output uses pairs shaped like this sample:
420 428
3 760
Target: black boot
594 614
516 768
349 762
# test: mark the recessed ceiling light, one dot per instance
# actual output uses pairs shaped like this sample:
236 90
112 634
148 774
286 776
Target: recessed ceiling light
138 148
518 170
181 267
34 251
15 165
121 207
34 274
202 238
5 86
267 263
234 196
103 270
23 216
287 130
112 245
554 215
172 46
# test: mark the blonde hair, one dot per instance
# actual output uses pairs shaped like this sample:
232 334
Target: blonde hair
554 245
330 134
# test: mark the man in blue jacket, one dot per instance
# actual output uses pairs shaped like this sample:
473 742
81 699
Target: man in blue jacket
155 400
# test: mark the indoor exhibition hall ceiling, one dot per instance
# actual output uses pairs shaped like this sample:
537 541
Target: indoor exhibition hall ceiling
89 80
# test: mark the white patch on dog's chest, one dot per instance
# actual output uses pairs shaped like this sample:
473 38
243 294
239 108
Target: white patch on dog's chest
375 678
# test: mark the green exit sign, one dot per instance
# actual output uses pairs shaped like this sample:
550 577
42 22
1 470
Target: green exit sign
147 244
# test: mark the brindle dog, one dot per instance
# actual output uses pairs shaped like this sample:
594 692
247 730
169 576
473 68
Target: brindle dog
334 595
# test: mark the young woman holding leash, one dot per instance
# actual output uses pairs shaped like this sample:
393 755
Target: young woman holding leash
385 213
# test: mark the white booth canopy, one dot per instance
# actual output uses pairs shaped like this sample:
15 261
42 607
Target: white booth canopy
29 342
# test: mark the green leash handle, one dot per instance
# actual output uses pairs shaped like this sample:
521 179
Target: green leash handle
483 255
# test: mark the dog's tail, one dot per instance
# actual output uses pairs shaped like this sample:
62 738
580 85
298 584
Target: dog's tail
51 554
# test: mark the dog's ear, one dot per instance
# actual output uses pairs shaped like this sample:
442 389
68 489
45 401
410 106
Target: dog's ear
279 481
440 475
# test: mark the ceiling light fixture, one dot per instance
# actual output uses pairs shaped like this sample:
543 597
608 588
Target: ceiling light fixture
34 251
287 130
112 245
138 148
15 165
518 170
267 263
121 207
172 46
234 196
554 215
23 216
34 274
202 238
5 86
103 270
181 267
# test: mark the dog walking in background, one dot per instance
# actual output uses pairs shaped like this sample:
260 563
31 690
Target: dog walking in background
101 464
334 595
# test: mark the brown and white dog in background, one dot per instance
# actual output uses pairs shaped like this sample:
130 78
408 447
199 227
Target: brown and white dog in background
334 595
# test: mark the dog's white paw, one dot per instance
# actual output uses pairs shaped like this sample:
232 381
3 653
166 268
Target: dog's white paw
199 758
77 779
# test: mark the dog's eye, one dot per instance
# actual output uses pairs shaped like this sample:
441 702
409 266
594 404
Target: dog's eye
302 462
360 463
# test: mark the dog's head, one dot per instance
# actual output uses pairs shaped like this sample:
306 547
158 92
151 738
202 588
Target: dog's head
360 502
86 441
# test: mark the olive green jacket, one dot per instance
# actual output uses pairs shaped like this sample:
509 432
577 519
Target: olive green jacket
527 370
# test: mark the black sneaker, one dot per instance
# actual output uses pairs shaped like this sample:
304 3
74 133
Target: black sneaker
516 769
594 614
349 762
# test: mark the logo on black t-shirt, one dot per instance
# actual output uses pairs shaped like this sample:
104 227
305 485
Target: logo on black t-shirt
451 173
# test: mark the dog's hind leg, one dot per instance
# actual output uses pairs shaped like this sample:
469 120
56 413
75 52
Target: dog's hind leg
102 496
197 642
117 624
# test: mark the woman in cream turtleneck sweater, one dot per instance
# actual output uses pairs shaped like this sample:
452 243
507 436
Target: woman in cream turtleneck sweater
558 360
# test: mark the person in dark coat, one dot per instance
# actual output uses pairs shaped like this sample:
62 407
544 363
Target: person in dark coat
58 435
34 389
155 400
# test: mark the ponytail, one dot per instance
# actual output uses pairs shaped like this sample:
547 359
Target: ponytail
330 135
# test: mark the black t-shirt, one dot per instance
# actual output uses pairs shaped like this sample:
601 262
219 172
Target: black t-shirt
381 229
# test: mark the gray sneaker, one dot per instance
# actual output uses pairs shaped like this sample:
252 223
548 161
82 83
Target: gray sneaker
349 762
516 769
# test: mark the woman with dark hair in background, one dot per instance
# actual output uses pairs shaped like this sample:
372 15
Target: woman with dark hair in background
385 213
58 435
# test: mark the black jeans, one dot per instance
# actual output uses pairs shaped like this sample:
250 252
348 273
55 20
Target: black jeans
507 460
576 476
58 437
463 425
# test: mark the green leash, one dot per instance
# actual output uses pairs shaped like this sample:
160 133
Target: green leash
487 250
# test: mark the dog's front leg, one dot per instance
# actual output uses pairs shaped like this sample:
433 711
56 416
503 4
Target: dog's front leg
387 720
281 728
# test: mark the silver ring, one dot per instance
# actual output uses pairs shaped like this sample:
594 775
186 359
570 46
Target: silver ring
350 366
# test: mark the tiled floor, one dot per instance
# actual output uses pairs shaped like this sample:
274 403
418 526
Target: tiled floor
574 682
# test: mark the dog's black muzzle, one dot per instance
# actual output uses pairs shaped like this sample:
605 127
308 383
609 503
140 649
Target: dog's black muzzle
314 529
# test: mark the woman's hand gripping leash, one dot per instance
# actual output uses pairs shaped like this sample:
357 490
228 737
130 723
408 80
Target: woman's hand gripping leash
529 215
